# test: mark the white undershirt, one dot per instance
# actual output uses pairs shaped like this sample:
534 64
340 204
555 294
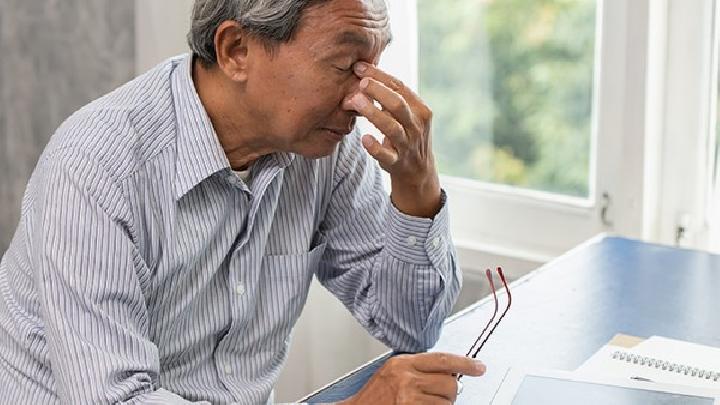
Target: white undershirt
244 175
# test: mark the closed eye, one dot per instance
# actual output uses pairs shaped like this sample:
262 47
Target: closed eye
343 69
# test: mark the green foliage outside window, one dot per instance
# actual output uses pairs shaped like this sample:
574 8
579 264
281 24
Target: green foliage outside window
510 83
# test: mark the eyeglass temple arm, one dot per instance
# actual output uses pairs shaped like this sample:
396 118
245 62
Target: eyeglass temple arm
507 291
488 273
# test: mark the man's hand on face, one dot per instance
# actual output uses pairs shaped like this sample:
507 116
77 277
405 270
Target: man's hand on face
425 378
406 151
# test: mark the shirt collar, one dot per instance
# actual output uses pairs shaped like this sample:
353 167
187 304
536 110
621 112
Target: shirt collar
199 153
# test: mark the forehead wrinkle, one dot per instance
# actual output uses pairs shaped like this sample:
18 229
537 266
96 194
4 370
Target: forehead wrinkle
354 38
351 38
376 18
373 17
373 21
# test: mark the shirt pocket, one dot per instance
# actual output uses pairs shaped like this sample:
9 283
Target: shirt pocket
284 291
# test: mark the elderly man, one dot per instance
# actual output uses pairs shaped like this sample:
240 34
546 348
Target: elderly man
171 229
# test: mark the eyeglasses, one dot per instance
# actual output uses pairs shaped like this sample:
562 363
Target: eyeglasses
483 338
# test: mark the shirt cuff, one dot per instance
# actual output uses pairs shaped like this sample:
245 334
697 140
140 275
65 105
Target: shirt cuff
420 241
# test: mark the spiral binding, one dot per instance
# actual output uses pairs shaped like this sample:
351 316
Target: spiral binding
666 365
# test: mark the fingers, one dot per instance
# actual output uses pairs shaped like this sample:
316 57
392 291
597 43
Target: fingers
427 378
363 69
385 155
441 385
448 363
390 100
381 119
406 150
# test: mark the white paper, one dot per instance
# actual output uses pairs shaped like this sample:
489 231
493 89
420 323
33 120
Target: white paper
677 351
684 353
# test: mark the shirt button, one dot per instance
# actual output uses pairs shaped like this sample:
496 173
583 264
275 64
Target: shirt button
411 240
436 242
240 289
227 369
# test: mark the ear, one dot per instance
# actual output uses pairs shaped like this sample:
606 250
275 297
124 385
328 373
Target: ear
231 48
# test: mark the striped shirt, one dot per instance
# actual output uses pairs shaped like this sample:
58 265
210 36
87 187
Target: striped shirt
145 270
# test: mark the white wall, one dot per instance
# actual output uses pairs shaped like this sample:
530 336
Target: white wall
160 30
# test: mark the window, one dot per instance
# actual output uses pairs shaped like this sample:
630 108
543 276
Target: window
510 83
539 117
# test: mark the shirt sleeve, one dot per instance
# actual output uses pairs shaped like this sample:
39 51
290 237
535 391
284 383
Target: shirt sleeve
397 274
90 279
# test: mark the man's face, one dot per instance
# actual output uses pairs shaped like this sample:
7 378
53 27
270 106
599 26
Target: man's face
297 93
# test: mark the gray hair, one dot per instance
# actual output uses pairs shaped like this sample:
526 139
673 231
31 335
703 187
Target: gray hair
271 21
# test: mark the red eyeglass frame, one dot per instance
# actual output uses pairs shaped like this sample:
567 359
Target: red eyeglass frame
473 351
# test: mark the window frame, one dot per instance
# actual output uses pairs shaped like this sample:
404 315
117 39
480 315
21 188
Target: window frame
685 155
712 211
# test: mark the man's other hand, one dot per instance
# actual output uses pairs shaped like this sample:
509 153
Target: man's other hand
425 378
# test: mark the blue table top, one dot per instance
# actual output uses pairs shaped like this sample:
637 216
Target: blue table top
567 309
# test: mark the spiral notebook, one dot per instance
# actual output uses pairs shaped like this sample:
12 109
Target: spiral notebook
657 359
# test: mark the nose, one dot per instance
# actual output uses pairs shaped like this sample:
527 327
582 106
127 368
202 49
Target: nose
346 105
